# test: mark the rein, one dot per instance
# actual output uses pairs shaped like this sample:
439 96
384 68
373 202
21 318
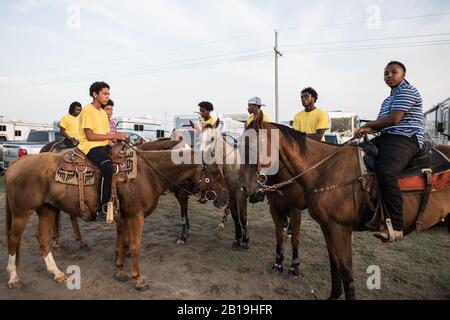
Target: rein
138 152
277 186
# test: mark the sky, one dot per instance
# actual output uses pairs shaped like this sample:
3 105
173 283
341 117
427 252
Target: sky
162 57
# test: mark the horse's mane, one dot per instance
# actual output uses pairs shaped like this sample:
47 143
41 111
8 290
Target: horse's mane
292 134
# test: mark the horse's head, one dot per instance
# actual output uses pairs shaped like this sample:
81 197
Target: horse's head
211 145
212 185
211 142
259 154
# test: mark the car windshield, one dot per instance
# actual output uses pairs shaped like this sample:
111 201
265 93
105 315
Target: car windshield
38 136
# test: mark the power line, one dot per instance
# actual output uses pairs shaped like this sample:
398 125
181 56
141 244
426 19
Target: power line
367 40
365 21
373 47
126 58
233 57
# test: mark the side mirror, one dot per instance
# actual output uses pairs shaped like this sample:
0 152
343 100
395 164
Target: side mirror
440 127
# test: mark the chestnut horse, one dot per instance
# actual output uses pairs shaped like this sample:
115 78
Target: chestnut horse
30 186
334 195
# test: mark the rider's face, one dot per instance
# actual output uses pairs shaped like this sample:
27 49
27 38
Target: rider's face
77 111
204 113
307 99
109 111
102 97
393 75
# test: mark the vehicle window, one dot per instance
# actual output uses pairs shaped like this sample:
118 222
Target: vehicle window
133 138
59 136
331 139
37 136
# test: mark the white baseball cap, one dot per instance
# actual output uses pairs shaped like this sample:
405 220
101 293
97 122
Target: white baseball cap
256 100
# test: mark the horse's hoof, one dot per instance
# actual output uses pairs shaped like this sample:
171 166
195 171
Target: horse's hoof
15 285
121 276
278 268
57 248
221 227
294 273
61 278
181 241
334 296
237 246
245 246
84 246
141 285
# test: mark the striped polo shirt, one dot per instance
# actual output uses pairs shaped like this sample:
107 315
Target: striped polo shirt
405 98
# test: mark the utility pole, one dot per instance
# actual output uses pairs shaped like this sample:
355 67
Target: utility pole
277 54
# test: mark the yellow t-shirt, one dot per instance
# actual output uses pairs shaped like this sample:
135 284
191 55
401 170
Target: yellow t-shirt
96 120
310 122
211 121
252 116
70 124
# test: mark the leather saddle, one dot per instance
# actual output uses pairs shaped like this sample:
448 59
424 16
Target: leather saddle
430 168
77 162
76 169
427 158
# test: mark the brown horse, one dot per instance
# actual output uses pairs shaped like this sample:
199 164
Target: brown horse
212 142
59 146
334 195
30 186
289 203
210 136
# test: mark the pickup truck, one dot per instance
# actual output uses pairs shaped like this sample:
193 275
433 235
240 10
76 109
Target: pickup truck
34 143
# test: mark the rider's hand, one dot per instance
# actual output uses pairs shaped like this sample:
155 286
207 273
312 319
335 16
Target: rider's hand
364 131
121 136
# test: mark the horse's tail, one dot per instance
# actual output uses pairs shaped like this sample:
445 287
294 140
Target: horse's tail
8 220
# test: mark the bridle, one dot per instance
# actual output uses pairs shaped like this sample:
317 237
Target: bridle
208 195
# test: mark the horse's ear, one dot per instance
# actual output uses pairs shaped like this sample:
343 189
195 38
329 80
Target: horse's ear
216 125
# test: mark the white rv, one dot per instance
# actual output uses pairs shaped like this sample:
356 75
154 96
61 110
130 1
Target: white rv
18 130
437 123
148 127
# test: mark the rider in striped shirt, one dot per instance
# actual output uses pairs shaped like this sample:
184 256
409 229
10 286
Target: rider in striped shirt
401 124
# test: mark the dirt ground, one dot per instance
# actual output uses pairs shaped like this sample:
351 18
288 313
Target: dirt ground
207 268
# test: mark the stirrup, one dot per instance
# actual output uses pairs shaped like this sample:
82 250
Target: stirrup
110 213
389 235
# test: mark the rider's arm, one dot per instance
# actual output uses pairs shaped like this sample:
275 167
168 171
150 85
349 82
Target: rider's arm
91 136
318 135
63 132
390 120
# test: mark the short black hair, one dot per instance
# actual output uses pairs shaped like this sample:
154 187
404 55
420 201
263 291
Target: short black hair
206 105
312 92
72 107
97 87
397 63
109 103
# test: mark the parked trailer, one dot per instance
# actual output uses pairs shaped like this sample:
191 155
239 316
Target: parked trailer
437 123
